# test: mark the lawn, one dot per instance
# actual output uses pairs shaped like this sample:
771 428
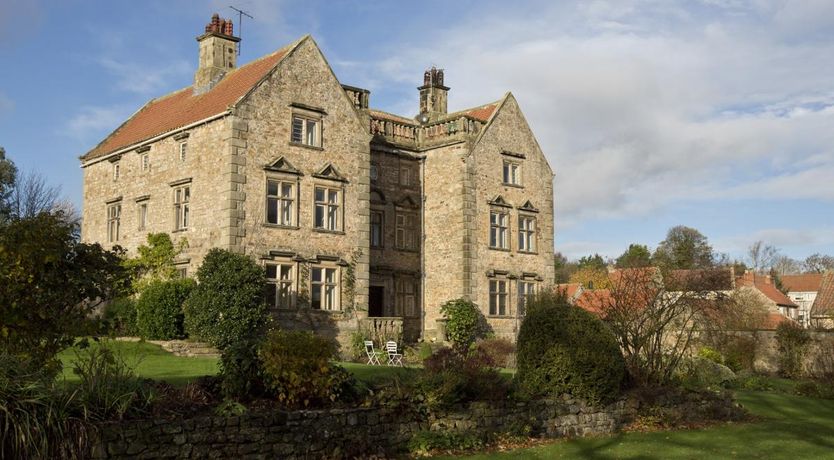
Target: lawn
151 361
792 427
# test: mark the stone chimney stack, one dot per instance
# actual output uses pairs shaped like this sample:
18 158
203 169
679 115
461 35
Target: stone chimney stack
433 95
218 53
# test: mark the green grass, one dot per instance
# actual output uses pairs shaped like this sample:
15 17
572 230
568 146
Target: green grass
791 427
150 361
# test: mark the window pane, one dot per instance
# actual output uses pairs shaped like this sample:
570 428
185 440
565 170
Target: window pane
316 275
330 275
287 213
272 188
319 194
506 173
330 297
185 216
332 218
332 196
311 132
319 217
286 190
315 297
272 210
271 271
297 129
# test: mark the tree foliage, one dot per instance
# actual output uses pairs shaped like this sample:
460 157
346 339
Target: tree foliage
8 174
155 260
684 248
818 263
51 283
562 268
762 256
591 277
595 262
228 302
637 255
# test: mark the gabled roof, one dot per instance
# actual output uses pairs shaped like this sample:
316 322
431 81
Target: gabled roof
766 287
594 301
824 303
806 282
182 108
570 289
481 113
773 319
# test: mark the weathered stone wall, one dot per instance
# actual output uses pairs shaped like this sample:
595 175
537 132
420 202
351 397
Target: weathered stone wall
509 133
203 165
304 79
345 433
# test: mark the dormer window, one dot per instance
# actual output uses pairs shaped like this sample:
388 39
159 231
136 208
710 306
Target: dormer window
512 173
306 131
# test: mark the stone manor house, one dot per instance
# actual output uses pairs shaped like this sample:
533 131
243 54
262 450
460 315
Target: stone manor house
360 218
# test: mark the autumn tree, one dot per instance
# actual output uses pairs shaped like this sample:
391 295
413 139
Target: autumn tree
591 272
637 255
684 248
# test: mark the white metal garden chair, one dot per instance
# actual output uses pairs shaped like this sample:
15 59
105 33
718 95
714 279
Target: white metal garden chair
373 355
394 358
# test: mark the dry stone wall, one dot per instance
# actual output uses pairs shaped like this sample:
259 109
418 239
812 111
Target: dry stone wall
345 433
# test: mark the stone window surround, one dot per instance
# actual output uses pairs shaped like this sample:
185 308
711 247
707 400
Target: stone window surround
401 295
292 262
508 238
340 188
142 203
326 265
181 184
308 113
415 229
296 181
114 217
498 280
535 231
181 141
522 297
519 174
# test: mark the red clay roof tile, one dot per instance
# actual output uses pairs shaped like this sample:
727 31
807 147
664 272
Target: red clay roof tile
824 303
182 107
807 282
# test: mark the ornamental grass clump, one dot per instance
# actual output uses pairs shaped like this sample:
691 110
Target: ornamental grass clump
564 349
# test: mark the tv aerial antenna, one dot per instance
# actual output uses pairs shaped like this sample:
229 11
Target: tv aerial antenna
240 15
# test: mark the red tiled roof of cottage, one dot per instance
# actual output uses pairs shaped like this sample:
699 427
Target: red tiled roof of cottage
183 107
824 303
766 287
390 116
594 301
570 289
807 282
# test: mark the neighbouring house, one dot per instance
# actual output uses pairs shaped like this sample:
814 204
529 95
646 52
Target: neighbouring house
822 311
802 290
776 301
358 216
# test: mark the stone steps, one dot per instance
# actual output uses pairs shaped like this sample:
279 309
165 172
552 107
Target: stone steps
187 348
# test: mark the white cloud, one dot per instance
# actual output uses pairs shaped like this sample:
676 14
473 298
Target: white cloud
642 105
779 237
142 78
93 123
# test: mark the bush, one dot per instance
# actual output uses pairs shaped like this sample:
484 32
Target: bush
500 351
464 322
814 389
451 377
822 363
227 305
108 387
793 343
564 349
298 369
120 317
159 314
704 373
241 370
711 354
739 352
35 418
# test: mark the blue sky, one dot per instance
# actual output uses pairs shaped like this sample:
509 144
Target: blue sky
716 114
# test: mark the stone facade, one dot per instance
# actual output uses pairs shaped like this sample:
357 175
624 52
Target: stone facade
360 217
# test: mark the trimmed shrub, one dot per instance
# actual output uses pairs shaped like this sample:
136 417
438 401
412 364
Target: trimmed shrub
451 377
120 317
464 323
298 369
159 314
564 349
793 341
500 351
241 371
228 304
